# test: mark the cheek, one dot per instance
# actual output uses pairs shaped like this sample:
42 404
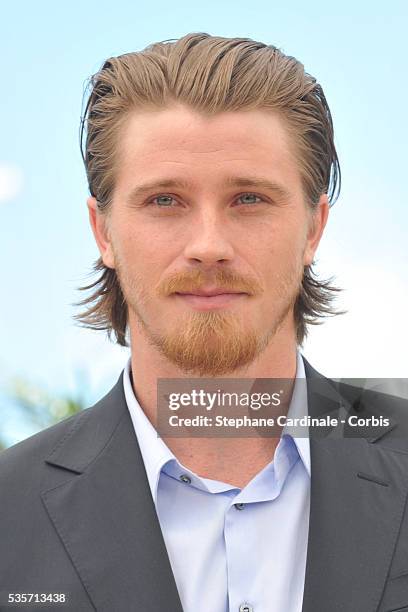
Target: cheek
283 264
143 259
134 243
282 249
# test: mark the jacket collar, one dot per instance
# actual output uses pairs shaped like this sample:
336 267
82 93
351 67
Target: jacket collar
105 515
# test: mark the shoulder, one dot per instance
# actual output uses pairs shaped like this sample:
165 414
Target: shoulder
22 458
26 462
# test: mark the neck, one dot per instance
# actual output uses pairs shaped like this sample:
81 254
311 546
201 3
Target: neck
232 460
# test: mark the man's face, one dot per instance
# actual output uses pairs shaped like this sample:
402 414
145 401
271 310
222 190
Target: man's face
208 205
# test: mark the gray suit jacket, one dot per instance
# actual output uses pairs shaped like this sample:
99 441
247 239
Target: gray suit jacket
77 516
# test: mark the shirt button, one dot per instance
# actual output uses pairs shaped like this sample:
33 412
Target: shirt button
241 507
185 478
246 607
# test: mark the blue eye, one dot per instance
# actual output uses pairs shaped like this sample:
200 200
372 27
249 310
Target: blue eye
166 201
163 197
251 195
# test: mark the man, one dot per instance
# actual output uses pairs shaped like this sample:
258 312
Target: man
211 167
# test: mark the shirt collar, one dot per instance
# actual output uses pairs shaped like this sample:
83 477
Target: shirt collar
156 453
299 408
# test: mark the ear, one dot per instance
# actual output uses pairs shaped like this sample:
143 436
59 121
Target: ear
318 220
100 226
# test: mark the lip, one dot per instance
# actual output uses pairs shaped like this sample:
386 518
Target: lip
211 292
208 300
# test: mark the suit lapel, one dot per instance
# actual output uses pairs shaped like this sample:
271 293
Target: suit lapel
358 495
105 515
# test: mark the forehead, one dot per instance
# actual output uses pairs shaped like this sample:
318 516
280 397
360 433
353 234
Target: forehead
180 140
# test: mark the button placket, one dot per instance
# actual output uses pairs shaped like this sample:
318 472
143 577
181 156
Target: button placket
233 527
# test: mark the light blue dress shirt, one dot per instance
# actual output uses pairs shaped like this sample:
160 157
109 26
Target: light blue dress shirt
231 549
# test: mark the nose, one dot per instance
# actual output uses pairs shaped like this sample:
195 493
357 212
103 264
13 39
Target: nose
208 241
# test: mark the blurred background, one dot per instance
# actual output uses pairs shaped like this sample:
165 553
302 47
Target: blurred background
49 367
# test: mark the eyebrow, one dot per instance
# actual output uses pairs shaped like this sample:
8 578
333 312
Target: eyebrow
231 181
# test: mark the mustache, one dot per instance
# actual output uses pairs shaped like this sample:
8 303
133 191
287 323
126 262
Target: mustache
197 279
